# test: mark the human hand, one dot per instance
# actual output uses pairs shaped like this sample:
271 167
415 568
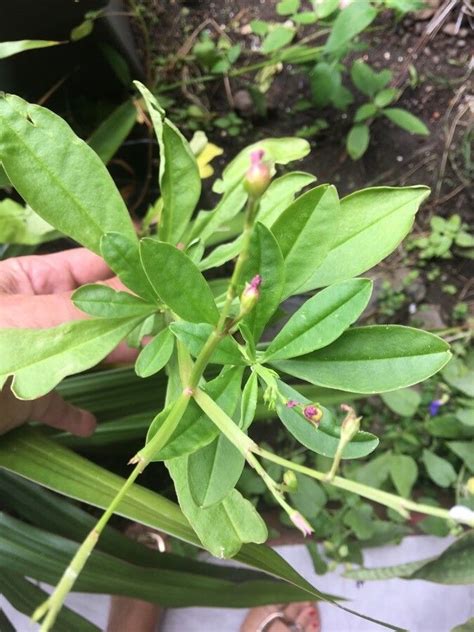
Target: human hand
35 292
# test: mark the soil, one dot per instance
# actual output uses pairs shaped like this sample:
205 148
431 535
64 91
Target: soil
439 96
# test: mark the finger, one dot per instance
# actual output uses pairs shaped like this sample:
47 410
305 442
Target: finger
51 274
53 411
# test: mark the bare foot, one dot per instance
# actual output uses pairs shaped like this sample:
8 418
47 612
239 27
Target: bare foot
296 617
132 615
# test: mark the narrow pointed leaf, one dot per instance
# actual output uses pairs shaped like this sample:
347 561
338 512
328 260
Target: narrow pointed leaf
372 359
8 49
112 132
180 183
59 175
178 282
40 358
122 255
321 320
104 301
305 232
155 354
265 259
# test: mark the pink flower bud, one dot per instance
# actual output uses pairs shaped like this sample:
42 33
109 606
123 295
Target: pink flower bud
250 295
301 523
291 403
258 175
313 414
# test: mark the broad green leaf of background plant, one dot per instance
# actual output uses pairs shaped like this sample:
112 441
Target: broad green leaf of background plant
324 439
372 223
122 255
154 356
277 38
277 150
367 80
403 472
305 232
224 527
180 182
403 402
195 335
21 225
460 375
465 451
372 359
265 259
196 430
406 120
439 470
40 358
320 320
178 282
349 23
103 301
8 49
59 175
358 140
109 136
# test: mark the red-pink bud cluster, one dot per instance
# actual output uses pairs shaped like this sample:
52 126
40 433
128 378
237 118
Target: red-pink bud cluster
258 176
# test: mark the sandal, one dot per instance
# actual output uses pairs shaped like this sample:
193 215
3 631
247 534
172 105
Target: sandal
298 617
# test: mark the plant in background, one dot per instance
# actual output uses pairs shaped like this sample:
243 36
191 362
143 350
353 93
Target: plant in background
207 335
447 237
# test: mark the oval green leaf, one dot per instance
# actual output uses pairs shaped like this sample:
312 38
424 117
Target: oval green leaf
154 356
101 300
195 335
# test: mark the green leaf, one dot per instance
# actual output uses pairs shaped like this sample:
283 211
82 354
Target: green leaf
40 358
265 259
280 194
59 175
372 359
324 81
314 213
249 402
403 402
195 335
465 416
178 282
439 470
468 626
180 182
460 376
454 566
102 300
384 97
122 255
372 222
196 430
309 497
305 17
367 80
350 21
403 472
112 132
406 121
155 354
365 111
8 49
326 7
324 439
361 521
465 451
375 472
279 151
321 320
277 38
224 527
357 141
213 471
21 225
287 7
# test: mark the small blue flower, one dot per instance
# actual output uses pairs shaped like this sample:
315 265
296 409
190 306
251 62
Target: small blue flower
434 407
